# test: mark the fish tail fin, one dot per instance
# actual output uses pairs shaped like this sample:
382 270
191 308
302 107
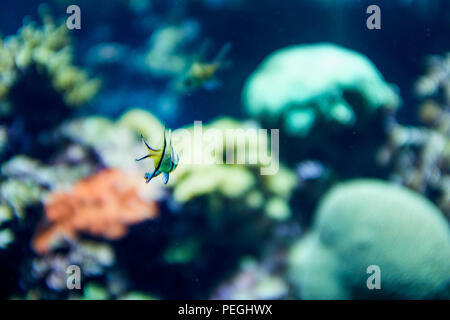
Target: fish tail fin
148 176
165 177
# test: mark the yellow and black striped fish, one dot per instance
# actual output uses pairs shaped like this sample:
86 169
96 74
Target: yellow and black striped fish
165 160
203 74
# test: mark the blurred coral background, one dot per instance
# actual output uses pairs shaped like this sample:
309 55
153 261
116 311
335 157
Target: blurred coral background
364 140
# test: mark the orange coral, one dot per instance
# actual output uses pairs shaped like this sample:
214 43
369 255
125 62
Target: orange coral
104 204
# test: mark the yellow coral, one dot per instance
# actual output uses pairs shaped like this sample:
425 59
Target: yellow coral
48 49
242 183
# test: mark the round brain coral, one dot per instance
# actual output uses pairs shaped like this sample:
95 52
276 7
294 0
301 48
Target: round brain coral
306 84
104 204
369 222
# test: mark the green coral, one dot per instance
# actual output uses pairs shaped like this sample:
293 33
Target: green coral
307 84
6 238
94 292
370 222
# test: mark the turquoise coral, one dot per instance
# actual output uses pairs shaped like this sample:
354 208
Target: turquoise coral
305 84
370 222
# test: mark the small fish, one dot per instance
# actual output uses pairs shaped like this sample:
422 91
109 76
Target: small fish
203 74
165 160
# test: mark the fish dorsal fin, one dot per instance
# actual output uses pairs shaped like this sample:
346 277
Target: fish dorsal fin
148 146
170 137
165 177
222 54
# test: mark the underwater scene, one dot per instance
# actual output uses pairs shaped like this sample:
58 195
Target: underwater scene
224 149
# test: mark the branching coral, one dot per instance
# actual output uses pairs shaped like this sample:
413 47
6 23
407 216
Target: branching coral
419 156
91 257
47 51
39 84
104 204
436 80
253 281
48 177
26 184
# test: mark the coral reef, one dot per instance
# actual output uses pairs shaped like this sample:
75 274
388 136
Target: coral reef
264 203
307 84
436 80
325 99
253 281
116 144
18 195
47 51
210 207
167 55
101 205
242 183
371 222
39 84
419 156
6 234
60 175
91 257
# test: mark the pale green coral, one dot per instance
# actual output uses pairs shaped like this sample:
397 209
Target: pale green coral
184 252
306 84
6 214
6 235
230 181
220 181
143 122
117 143
94 292
135 295
253 281
59 176
370 222
6 238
